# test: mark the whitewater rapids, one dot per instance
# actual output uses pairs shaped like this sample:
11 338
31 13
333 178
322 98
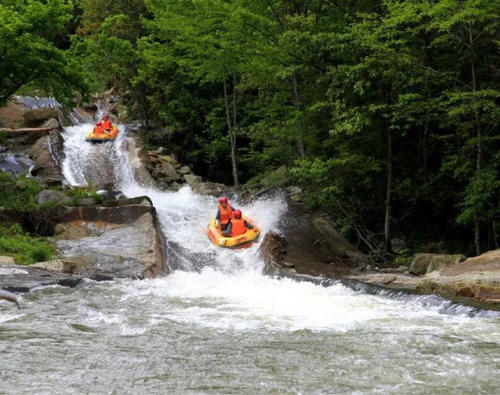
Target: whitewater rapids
217 324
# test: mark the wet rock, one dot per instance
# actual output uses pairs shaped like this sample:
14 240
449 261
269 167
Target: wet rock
48 155
16 278
184 170
295 194
312 245
6 260
426 263
52 196
36 116
122 239
476 279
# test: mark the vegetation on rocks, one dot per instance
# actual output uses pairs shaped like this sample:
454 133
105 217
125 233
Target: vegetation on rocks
24 248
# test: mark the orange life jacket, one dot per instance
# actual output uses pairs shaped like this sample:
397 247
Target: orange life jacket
98 130
106 125
225 213
238 227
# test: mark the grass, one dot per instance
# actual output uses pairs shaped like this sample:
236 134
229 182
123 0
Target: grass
24 248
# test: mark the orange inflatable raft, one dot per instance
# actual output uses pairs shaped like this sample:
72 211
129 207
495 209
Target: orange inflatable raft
241 241
102 137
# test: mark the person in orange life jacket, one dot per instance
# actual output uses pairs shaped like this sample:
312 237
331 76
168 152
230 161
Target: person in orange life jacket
224 213
106 123
237 226
98 129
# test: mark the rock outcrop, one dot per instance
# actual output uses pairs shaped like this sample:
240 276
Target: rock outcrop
477 278
169 174
311 245
16 278
121 239
426 263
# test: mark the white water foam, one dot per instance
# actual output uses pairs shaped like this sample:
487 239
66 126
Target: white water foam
223 288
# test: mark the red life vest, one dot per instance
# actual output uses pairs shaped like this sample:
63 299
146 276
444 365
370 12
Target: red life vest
98 130
106 125
238 227
225 213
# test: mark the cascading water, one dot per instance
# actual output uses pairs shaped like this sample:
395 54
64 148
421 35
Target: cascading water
216 324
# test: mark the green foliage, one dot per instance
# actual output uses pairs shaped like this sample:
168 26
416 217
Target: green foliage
17 193
23 248
32 34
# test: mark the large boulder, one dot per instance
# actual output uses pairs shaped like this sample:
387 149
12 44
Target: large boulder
311 245
12 115
477 277
47 153
122 239
52 196
426 263
36 116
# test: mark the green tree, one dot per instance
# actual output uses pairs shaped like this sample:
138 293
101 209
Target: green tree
29 54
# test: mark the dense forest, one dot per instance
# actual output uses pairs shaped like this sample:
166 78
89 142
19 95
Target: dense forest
386 112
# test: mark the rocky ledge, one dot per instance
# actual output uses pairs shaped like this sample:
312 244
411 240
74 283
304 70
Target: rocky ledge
310 245
477 278
119 239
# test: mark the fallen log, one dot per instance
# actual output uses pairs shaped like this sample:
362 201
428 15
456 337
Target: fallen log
27 130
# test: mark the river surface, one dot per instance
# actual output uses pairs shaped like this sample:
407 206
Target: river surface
217 325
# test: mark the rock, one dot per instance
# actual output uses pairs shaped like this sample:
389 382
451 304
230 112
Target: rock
51 196
476 278
184 170
47 154
36 116
87 201
160 150
12 115
122 239
193 181
15 278
311 243
295 194
52 123
425 263
445 261
170 173
6 260
140 161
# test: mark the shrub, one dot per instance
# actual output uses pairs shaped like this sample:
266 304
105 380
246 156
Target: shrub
23 248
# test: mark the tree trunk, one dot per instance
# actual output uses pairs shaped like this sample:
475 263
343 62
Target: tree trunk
231 131
477 238
299 126
387 222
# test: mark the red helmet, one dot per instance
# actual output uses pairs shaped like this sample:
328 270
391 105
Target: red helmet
237 214
99 123
223 199
105 116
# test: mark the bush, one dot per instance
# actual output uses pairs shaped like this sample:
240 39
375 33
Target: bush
23 248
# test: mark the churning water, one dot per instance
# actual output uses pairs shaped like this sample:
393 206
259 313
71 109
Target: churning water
217 325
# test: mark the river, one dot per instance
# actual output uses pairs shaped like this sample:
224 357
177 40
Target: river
218 325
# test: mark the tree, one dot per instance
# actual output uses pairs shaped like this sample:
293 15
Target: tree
29 31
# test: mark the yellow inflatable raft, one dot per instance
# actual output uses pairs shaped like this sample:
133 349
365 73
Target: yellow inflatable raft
240 241
99 138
